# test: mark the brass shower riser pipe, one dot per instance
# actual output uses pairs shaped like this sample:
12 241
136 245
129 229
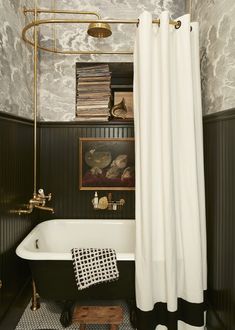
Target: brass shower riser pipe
35 101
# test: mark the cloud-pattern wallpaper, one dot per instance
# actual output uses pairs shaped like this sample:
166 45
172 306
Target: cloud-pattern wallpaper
57 72
15 61
217 47
56 85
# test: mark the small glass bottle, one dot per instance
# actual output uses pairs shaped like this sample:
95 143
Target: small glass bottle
96 201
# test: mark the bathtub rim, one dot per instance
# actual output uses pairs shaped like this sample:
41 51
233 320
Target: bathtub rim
24 253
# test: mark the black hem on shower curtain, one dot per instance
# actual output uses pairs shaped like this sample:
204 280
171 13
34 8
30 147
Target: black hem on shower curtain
190 313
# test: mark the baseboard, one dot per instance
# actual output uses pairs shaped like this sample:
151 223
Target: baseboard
13 314
213 321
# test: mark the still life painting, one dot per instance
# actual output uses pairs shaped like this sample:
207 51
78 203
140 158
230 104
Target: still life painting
106 163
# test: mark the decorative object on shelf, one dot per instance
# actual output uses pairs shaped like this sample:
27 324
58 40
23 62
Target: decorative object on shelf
123 105
93 92
106 163
119 110
95 201
110 206
106 203
103 203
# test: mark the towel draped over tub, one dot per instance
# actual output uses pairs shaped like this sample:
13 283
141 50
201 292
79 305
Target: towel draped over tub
93 266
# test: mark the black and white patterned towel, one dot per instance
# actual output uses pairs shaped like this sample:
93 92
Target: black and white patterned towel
92 266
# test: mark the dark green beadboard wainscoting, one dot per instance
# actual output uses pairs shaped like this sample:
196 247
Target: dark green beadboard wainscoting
16 186
59 169
219 151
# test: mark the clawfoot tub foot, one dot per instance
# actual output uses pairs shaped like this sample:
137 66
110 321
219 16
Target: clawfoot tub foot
132 311
35 298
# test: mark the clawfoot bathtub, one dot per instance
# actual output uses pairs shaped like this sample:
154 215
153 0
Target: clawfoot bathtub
47 248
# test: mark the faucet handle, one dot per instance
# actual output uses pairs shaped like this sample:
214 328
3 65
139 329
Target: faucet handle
48 196
41 193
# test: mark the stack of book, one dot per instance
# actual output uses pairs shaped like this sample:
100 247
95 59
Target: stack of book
93 93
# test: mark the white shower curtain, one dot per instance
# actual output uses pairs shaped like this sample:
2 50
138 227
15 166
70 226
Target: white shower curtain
170 203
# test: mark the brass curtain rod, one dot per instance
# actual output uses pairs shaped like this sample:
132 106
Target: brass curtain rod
78 12
110 21
83 21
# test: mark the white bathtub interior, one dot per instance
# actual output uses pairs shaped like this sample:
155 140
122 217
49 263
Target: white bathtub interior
54 239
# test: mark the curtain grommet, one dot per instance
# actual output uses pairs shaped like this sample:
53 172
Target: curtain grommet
178 25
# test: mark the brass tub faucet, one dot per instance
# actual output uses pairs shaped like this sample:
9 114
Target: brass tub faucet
38 201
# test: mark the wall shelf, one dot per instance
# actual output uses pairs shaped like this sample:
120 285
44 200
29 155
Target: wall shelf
121 81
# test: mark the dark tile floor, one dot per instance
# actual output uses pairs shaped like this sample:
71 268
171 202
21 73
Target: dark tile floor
48 316
20 316
14 314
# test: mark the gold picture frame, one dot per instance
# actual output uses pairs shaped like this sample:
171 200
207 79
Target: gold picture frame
106 164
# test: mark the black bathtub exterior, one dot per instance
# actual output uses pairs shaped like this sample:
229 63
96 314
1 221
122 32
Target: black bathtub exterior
55 280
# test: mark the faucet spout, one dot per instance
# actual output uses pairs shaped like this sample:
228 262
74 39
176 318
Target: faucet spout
45 208
38 201
19 212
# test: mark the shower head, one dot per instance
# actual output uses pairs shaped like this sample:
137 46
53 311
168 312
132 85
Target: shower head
99 30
